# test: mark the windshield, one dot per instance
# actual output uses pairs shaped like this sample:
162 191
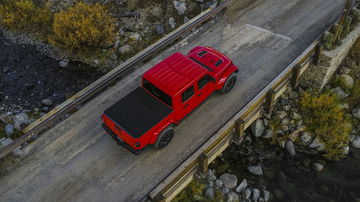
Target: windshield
157 93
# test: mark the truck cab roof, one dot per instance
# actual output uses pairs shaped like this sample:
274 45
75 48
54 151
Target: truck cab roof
177 72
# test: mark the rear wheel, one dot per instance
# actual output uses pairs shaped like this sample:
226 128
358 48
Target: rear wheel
229 84
164 137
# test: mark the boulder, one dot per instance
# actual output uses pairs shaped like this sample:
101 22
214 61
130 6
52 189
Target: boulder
296 116
340 92
210 175
346 80
210 4
315 143
218 183
9 129
266 195
356 113
290 147
305 138
172 23
256 194
242 186
135 36
46 102
255 170
346 150
232 197
356 142
180 7
258 128
64 63
318 167
210 193
229 180
280 115
20 120
246 194
160 29
125 49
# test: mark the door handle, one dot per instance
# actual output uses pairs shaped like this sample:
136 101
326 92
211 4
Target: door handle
199 94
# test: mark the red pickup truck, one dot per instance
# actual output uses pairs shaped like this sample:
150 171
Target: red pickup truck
170 90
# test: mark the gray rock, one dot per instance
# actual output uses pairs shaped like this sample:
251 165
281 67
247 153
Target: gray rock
296 116
46 102
113 56
347 80
356 142
180 6
318 167
321 147
286 107
20 120
280 115
344 70
186 19
210 193
210 175
315 143
246 194
160 29
266 195
268 134
356 113
293 95
346 150
305 138
340 92
64 63
135 36
256 194
45 109
125 49
285 121
282 144
352 137
232 197
172 23
345 106
255 170
218 183
242 186
229 180
290 147
9 129
211 4
258 127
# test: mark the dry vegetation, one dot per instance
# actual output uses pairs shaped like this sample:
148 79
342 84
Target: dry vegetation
26 16
83 28
325 118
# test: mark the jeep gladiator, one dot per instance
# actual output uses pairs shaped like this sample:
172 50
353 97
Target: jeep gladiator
169 92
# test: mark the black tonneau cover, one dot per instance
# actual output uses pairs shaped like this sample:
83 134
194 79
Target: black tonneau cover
137 112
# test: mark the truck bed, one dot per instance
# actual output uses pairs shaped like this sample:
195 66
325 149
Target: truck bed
137 112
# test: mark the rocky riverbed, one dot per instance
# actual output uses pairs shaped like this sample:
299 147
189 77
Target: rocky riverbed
281 159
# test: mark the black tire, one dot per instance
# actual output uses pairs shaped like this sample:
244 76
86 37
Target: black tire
229 84
164 137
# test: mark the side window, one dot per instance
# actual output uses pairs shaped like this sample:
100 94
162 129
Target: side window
187 94
203 81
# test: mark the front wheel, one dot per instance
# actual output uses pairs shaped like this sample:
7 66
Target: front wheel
229 84
164 137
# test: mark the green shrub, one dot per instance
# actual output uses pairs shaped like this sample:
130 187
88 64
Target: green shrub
83 28
325 118
25 16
